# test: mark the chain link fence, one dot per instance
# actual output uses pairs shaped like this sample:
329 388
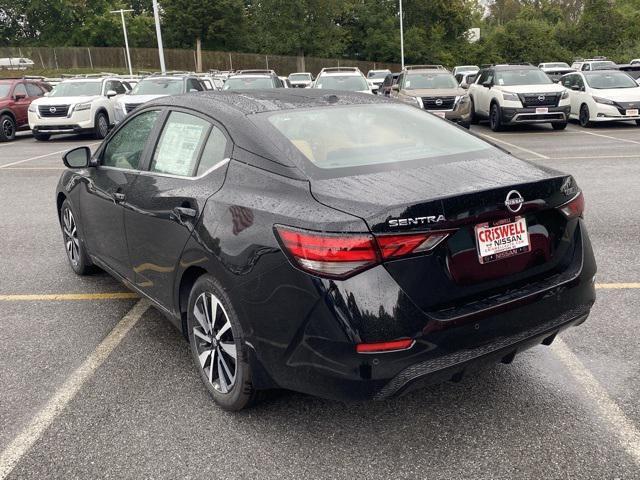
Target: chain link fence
146 59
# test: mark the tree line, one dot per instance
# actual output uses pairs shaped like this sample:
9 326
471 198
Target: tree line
435 30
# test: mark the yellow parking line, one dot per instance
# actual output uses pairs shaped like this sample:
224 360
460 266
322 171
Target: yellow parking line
69 296
617 286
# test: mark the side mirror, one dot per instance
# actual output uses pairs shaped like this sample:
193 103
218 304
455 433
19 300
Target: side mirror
191 90
46 94
465 86
487 84
395 87
111 93
77 158
19 96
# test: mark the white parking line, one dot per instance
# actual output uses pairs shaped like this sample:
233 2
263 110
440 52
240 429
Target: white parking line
42 156
20 445
611 138
622 427
515 146
587 157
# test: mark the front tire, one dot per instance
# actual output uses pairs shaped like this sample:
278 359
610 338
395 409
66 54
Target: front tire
7 128
495 118
585 117
638 122
218 347
559 126
73 244
101 126
474 118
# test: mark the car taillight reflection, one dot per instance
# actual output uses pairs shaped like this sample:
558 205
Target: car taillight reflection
574 208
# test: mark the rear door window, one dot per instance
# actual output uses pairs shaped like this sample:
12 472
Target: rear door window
34 91
20 90
180 145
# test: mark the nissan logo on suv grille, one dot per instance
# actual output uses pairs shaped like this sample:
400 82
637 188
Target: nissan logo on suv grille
541 98
439 102
53 110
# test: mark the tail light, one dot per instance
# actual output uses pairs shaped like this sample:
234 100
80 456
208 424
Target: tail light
574 208
392 346
343 255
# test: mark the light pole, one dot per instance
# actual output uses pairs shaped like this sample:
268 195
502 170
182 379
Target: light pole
156 16
401 37
126 40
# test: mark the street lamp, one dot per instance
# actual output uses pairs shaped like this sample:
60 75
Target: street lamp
126 40
156 17
401 37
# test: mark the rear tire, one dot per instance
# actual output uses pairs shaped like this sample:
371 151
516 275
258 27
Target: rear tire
7 128
638 122
559 126
585 116
74 245
495 118
101 126
41 137
228 380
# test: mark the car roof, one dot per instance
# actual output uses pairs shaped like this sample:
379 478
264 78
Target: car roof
342 74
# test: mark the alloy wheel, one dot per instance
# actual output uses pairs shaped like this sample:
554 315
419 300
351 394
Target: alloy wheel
70 232
8 128
102 126
214 342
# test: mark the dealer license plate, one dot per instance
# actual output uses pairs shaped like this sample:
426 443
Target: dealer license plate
542 110
502 239
632 113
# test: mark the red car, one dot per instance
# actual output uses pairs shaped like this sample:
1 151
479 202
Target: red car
16 94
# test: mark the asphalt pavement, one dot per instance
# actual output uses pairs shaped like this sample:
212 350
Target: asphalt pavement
96 385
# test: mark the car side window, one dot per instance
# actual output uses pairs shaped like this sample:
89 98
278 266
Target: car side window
126 146
20 90
119 88
180 144
213 152
400 80
567 81
578 81
586 66
34 90
193 84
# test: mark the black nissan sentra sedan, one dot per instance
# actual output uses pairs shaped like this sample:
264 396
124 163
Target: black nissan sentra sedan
343 245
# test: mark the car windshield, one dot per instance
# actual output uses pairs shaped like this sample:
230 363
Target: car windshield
556 65
610 80
353 136
430 81
382 74
159 86
349 83
522 77
4 89
603 65
299 77
77 89
248 83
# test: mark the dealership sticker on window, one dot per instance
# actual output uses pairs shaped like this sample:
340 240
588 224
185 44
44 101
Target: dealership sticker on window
502 239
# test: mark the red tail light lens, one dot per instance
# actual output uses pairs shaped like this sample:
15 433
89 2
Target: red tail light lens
573 208
394 345
342 255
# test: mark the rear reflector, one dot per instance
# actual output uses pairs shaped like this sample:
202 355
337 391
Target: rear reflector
573 208
392 346
342 255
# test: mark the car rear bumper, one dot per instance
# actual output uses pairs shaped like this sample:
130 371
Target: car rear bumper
514 116
320 359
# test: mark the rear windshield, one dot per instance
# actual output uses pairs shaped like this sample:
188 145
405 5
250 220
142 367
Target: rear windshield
248 83
77 89
522 77
349 83
610 80
159 86
382 74
556 65
4 89
299 77
430 81
362 135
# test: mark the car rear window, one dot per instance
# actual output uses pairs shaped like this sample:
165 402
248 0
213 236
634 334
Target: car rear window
364 135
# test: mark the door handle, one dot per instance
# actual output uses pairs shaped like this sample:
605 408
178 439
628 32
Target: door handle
119 197
183 212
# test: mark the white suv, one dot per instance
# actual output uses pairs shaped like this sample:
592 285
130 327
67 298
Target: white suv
77 105
598 63
517 94
349 79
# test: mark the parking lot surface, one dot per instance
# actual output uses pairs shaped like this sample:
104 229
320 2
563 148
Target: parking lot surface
97 385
